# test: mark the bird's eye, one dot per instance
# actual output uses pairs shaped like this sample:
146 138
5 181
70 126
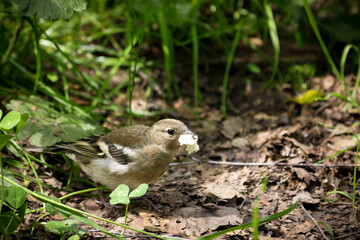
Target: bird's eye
170 131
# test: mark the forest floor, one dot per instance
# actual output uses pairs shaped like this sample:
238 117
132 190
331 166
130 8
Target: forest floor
208 192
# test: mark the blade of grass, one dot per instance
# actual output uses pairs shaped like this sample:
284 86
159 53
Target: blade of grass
343 64
249 224
87 79
327 54
167 50
36 40
113 71
274 40
195 43
75 211
255 224
230 58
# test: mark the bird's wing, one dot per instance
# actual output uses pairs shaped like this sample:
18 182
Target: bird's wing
120 145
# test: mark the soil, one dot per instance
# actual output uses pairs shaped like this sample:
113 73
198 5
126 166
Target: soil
207 192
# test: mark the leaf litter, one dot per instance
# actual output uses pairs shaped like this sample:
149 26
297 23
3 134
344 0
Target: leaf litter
198 198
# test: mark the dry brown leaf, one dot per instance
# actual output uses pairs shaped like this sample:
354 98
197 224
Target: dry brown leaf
305 197
302 174
223 191
232 126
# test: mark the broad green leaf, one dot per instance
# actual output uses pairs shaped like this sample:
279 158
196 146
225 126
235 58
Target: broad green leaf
139 191
23 120
10 120
0 113
22 211
15 196
4 139
8 223
46 126
53 9
74 237
8 174
120 195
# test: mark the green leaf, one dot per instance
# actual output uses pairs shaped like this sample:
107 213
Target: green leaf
50 207
4 139
46 126
74 237
0 113
8 174
253 68
60 226
22 211
120 195
23 120
52 77
14 163
308 97
336 192
10 120
15 196
139 191
53 9
337 95
8 223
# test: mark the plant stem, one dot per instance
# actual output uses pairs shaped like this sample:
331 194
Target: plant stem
77 211
125 220
12 43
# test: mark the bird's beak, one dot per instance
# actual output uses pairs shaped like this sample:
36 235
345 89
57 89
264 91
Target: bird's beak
187 131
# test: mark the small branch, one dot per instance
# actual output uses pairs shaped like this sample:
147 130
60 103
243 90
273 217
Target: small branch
347 235
313 219
196 161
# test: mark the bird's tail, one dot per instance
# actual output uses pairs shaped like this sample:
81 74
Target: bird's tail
51 150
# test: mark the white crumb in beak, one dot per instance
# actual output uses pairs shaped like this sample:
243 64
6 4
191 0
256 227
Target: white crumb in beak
190 140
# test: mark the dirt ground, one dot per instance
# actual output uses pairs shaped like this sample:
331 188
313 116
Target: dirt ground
208 192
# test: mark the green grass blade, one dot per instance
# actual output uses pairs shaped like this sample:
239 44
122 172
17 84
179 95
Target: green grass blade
230 58
327 54
249 224
113 71
274 40
167 49
195 67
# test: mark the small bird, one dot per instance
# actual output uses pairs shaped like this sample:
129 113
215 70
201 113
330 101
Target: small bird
130 155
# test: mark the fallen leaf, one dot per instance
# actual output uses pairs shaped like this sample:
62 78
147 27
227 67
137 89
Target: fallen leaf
232 126
305 197
302 174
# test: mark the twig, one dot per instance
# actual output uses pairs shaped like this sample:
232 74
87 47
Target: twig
348 235
196 161
313 219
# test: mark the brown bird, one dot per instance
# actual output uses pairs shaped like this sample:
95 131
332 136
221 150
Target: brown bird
130 155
